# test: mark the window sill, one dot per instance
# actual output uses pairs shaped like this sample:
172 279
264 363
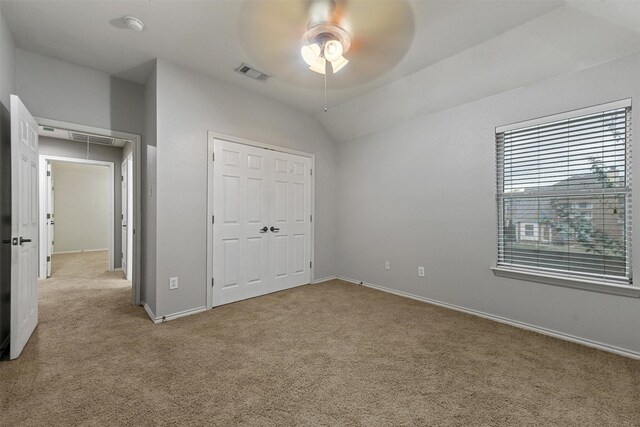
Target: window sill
627 291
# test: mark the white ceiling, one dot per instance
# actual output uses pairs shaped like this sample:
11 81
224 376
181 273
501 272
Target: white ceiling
204 36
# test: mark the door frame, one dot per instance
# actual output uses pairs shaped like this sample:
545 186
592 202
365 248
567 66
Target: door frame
136 151
211 137
44 158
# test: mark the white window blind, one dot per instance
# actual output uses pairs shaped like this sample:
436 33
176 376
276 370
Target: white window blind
564 195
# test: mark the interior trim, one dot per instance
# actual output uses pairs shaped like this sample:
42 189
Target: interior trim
323 279
584 284
172 316
623 103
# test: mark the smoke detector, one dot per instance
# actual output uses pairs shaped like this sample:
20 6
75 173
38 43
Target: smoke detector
133 23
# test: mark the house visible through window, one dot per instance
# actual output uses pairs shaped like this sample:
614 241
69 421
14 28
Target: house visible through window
564 195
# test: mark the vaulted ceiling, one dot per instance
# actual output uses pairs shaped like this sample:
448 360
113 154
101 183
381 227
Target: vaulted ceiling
453 42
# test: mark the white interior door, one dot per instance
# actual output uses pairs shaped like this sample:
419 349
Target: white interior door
262 221
24 225
240 223
125 216
290 219
130 177
50 220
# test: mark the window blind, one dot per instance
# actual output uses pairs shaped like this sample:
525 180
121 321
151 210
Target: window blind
564 195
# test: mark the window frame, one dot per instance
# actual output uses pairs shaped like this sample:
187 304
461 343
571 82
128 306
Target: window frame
521 272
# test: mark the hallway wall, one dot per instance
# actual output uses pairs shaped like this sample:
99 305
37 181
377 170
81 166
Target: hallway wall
81 207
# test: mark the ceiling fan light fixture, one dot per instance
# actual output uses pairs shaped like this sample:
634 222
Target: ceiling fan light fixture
310 53
338 64
320 66
333 50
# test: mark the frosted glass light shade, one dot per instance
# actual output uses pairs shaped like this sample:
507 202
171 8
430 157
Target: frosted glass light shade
310 53
333 50
319 66
339 64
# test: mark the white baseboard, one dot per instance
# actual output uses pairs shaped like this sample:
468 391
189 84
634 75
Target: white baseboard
149 312
323 279
172 316
80 251
560 335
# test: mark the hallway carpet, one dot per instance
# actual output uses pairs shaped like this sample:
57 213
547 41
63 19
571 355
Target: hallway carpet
328 354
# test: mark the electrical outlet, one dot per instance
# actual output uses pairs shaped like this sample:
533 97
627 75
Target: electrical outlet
420 271
387 265
173 283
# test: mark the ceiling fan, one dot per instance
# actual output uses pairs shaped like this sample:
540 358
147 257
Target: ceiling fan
371 36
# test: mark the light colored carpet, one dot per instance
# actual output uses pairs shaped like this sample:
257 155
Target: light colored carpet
329 354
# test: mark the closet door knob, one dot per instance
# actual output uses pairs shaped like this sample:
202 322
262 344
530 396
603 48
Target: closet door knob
264 229
274 230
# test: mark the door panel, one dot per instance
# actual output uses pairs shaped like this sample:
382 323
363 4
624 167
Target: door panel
240 247
291 214
254 188
49 224
24 257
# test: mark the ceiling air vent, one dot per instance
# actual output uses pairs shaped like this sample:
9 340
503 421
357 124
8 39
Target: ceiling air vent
104 140
92 139
252 72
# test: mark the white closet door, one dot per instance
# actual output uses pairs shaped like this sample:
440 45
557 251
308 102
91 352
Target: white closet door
290 217
240 228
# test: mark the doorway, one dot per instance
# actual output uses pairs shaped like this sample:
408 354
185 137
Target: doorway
260 237
119 152
78 198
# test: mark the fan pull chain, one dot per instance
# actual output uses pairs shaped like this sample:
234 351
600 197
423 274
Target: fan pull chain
325 91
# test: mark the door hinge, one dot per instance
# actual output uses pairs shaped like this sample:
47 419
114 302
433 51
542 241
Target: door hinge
212 280
213 219
48 173
48 216
48 259
311 218
310 264
311 171
121 216
121 178
213 157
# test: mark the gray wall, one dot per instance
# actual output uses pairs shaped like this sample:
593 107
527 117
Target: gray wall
77 150
422 193
190 104
55 89
7 63
82 214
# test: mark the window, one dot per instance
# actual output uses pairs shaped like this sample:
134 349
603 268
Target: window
528 230
564 195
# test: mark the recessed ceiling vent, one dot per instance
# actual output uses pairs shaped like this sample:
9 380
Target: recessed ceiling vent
92 139
252 72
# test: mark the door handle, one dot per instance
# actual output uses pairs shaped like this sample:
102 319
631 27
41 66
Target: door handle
274 230
264 229
24 241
